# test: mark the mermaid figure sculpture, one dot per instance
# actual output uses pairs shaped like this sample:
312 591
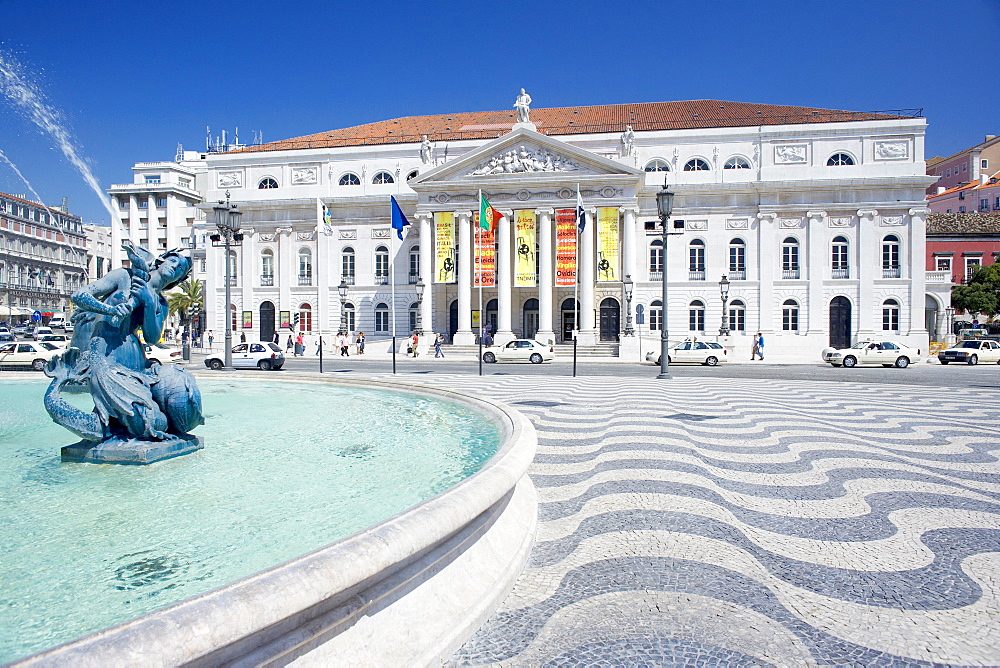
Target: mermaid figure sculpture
142 411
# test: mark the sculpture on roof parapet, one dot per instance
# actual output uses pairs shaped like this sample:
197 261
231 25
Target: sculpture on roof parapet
628 141
426 151
522 105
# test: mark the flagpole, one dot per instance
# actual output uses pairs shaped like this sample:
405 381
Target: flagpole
392 281
479 267
576 282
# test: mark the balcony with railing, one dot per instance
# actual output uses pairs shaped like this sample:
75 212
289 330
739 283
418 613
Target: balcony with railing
347 279
891 272
840 272
412 278
232 281
266 281
696 275
656 275
305 279
790 274
738 275
381 279
938 277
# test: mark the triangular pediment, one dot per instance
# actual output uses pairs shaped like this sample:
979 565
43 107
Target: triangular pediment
527 154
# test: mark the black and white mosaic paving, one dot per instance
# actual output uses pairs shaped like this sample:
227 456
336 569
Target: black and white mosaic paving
740 522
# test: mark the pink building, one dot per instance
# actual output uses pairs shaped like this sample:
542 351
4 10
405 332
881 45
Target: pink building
979 196
965 166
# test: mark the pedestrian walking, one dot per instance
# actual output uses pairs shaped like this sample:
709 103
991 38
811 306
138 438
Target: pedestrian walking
414 340
243 337
277 338
758 347
318 344
438 340
344 344
360 343
289 344
300 346
211 339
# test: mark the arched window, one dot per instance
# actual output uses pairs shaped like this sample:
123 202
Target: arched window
234 268
656 315
696 316
657 165
266 267
305 318
696 260
790 315
412 175
414 274
349 179
656 260
413 317
381 265
381 318
737 162
696 165
737 316
382 178
267 183
737 260
232 317
350 312
890 256
838 257
347 265
305 266
890 315
790 258
839 159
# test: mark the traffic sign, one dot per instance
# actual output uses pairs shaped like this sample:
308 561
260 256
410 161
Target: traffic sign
36 316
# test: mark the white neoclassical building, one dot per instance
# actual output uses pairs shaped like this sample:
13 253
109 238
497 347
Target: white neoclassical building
816 217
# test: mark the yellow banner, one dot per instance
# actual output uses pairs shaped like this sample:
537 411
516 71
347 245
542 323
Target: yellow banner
444 247
608 244
525 269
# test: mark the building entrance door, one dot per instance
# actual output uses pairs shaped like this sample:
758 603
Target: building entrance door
611 319
568 320
266 321
452 320
491 315
931 318
840 322
530 327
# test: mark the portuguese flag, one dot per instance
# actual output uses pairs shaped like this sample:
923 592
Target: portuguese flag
488 216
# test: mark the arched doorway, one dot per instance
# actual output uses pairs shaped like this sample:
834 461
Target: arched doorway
530 327
452 320
266 321
492 308
840 322
611 319
931 318
568 319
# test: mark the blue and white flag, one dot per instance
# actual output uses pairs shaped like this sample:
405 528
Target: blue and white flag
327 221
399 221
581 213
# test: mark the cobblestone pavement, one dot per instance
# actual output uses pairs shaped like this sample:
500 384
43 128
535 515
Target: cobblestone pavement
746 522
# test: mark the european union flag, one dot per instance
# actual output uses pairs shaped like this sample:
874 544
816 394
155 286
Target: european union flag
399 221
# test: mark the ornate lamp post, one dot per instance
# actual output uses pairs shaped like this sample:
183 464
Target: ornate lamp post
628 285
664 207
724 291
419 330
227 220
342 291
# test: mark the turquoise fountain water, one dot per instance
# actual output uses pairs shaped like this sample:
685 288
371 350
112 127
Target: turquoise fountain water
287 468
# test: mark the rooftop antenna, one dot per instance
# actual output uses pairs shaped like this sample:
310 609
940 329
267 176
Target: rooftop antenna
224 145
236 138
208 139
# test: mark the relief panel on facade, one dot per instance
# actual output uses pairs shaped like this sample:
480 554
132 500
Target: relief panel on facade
839 221
304 175
523 160
380 233
890 221
789 223
231 179
737 224
347 234
696 225
892 150
790 154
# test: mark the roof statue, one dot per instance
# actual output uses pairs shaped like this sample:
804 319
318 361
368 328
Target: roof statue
628 141
522 104
426 151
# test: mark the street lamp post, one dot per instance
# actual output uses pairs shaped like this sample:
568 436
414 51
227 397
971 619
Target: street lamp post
628 284
724 291
419 328
227 220
342 291
664 207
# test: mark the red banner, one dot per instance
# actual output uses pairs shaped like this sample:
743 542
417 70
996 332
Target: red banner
484 259
565 247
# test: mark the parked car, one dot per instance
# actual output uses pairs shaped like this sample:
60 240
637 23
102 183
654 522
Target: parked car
886 353
972 351
708 353
7 337
520 350
29 331
28 353
40 332
263 355
60 340
68 327
58 322
157 355
19 330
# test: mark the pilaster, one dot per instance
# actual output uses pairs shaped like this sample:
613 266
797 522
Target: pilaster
464 335
868 263
768 265
504 279
816 271
546 272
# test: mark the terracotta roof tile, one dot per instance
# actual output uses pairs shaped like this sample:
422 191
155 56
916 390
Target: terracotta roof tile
574 120
40 206
972 223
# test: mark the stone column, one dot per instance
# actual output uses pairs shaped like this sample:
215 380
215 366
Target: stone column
869 269
629 347
816 273
464 335
546 272
585 275
504 331
918 276
427 274
768 266
286 272
247 280
326 276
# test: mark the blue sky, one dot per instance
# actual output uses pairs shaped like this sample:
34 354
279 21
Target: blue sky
135 79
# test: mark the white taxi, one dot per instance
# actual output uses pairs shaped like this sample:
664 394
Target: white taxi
972 351
262 355
708 353
886 353
520 350
28 353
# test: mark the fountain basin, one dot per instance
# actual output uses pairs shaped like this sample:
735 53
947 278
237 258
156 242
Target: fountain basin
407 590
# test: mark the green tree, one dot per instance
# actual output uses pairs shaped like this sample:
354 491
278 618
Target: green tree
186 300
981 294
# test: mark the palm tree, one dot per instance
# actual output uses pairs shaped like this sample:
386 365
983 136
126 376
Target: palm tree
188 300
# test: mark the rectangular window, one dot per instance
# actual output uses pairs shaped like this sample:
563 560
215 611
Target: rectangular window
696 319
984 164
696 258
965 167
737 258
984 204
152 178
943 264
347 265
143 204
790 258
655 316
961 209
996 204
381 321
840 256
737 319
948 173
790 319
961 194
161 202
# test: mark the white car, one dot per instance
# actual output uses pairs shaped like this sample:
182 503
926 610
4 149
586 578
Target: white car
708 353
60 340
971 352
162 355
520 350
262 355
28 353
40 332
886 353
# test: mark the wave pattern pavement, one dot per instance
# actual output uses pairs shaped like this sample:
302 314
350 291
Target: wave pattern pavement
703 522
